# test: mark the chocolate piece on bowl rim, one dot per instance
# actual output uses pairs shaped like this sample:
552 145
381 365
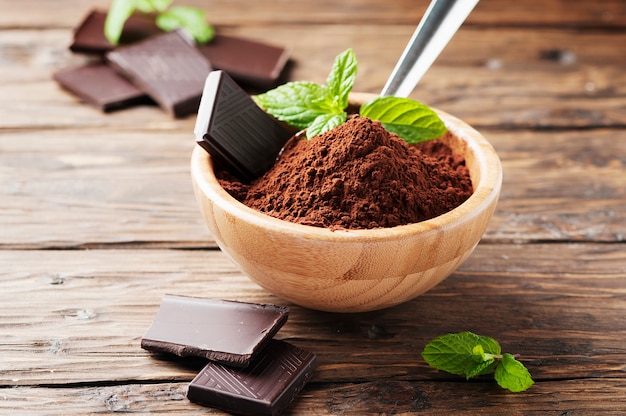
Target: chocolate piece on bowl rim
227 332
89 35
233 129
100 86
247 61
267 387
167 67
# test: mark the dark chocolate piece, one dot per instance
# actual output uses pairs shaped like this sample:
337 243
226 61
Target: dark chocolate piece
99 85
267 387
227 332
235 131
246 61
168 67
89 35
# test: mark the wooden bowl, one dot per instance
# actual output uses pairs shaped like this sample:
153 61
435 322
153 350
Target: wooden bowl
353 270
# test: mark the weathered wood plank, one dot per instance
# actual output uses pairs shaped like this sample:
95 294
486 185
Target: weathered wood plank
558 186
100 185
561 186
580 13
78 316
570 397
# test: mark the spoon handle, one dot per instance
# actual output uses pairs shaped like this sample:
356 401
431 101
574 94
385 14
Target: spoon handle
440 22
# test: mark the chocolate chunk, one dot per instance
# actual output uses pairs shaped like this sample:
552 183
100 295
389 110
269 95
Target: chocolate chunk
168 67
227 332
256 64
235 131
246 61
100 86
267 387
89 35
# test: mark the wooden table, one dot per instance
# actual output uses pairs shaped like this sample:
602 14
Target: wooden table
98 219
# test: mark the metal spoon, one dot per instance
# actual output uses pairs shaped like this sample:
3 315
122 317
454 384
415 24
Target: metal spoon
440 22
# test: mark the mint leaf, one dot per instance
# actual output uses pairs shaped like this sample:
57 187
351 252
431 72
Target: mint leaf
409 119
454 353
189 18
512 375
473 355
167 18
341 79
318 108
325 122
315 107
119 12
149 6
485 363
296 103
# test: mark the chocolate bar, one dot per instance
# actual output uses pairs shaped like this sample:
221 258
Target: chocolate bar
267 387
99 85
226 332
235 131
89 35
167 67
256 64
245 60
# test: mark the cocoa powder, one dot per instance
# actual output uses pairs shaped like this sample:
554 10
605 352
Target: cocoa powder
357 176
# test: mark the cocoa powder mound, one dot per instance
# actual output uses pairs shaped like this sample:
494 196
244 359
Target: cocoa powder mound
357 176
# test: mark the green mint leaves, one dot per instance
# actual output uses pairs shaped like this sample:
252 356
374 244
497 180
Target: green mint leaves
190 18
319 108
413 121
168 18
307 105
472 355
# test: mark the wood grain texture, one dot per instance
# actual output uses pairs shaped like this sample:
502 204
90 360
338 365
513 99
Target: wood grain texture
78 316
563 13
571 397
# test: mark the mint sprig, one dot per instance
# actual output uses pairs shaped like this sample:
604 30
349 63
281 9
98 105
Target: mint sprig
314 107
319 108
471 355
192 19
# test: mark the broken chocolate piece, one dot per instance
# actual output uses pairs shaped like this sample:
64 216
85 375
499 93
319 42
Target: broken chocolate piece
235 131
89 35
227 332
168 67
246 61
99 85
267 387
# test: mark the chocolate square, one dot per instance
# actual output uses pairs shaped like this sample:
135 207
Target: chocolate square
100 86
227 332
235 131
89 35
267 387
245 60
168 67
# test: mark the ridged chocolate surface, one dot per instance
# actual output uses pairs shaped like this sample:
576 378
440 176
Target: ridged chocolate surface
233 129
168 67
267 387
